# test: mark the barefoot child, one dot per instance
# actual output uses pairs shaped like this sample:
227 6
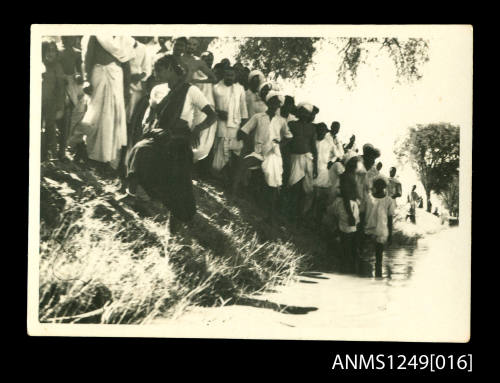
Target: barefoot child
379 209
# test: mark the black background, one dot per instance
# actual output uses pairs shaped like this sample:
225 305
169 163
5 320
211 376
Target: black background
101 359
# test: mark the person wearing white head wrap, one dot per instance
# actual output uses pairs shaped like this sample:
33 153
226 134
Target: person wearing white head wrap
269 86
270 128
231 107
273 93
366 172
105 121
307 106
303 158
258 73
254 102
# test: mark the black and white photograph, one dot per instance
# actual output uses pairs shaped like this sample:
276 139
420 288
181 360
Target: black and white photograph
304 182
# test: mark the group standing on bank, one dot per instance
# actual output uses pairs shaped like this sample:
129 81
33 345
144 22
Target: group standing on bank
160 118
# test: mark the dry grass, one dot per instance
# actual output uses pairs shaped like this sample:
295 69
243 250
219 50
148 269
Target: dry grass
101 262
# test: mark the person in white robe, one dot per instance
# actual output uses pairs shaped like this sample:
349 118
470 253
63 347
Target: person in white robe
272 164
105 122
230 105
270 129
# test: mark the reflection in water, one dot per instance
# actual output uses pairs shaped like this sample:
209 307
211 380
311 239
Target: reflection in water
397 263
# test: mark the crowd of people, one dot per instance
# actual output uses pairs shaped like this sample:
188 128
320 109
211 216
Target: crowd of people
161 117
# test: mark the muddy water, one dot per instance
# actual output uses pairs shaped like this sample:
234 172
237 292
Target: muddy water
422 295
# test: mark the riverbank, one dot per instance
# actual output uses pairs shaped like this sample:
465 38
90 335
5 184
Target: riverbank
104 261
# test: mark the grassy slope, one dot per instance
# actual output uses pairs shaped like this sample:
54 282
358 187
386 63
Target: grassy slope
102 261
99 254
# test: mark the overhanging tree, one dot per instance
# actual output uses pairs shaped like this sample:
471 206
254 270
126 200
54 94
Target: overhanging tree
287 57
433 152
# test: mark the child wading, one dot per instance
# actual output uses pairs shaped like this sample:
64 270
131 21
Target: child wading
379 209
345 211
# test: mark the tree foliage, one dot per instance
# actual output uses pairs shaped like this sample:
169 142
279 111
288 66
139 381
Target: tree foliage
290 57
283 57
408 57
451 197
434 153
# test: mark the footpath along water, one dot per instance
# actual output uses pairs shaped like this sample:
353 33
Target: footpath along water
423 295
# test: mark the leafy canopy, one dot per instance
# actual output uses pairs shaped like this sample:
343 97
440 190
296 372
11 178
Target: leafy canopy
434 153
290 57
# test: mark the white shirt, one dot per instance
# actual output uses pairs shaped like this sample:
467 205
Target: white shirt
254 103
325 155
377 211
338 149
267 130
139 64
195 100
231 96
337 209
206 87
364 179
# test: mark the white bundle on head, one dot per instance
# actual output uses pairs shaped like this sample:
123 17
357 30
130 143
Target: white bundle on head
307 106
273 93
266 83
257 72
348 155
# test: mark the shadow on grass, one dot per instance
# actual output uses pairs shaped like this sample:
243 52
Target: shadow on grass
211 237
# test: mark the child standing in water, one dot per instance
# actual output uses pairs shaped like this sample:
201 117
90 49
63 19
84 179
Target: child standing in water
379 208
345 213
